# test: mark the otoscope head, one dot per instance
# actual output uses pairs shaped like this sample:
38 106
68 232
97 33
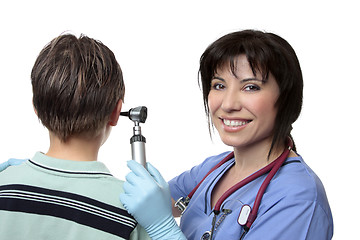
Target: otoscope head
138 114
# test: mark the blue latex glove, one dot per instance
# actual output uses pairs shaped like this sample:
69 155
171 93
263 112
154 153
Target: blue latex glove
147 198
11 162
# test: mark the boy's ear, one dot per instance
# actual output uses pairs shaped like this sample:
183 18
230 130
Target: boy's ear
114 117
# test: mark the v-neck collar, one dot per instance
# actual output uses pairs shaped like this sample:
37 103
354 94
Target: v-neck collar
219 173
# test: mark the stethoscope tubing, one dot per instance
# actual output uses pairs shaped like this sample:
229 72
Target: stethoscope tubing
272 169
243 183
227 158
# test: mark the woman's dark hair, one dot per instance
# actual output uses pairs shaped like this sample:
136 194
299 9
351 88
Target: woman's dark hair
266 53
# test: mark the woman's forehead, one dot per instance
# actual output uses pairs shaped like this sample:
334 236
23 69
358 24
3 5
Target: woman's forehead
238 64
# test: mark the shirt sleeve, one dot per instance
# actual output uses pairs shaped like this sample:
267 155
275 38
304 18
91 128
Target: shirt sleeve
292 219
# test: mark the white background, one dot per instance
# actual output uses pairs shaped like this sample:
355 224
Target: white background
158 45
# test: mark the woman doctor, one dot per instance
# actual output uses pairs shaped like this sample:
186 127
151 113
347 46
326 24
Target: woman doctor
252 90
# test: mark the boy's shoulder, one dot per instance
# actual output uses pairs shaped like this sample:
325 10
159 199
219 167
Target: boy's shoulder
89 179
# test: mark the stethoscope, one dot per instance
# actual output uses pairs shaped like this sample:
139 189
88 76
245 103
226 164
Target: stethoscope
247 214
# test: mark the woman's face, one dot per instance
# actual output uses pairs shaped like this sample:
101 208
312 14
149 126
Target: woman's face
242 106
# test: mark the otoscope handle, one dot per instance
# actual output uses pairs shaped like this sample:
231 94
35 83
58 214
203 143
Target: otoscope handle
137 142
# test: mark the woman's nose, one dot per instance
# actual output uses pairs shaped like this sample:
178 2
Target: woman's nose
231 101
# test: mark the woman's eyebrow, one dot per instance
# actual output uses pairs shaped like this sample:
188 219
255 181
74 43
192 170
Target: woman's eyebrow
242 80
218 78
252 79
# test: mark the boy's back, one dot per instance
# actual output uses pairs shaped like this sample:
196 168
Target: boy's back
47 198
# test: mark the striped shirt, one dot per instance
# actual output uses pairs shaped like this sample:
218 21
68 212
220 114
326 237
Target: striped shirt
48 198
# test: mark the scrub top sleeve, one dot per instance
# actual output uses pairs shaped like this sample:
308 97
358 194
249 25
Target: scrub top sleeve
292 219
183 184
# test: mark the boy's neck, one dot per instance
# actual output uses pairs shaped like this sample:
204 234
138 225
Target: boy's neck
75 148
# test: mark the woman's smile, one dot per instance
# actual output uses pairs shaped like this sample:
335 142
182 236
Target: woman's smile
233 125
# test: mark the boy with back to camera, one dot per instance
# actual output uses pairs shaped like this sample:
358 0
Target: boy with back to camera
78 91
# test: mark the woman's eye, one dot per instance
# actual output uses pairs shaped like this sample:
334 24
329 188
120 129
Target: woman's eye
251 87
218 86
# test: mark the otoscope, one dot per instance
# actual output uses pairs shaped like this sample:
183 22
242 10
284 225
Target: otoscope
137 115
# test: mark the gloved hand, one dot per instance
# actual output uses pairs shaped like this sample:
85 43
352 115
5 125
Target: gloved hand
11 162
147 198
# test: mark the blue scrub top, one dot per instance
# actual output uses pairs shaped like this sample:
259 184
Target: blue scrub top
294 205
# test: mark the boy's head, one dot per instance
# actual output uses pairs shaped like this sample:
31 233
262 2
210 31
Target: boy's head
76 84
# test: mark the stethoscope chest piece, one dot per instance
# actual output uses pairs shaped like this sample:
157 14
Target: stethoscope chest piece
181 204
244 214
206 236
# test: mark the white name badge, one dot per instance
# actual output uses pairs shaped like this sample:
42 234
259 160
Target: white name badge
244 214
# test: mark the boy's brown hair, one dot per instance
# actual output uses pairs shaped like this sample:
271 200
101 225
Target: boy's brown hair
76 84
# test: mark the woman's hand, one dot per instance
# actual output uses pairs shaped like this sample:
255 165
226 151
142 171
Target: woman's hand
11 162
147 198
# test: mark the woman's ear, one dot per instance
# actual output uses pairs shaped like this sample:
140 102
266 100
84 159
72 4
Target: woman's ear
114 117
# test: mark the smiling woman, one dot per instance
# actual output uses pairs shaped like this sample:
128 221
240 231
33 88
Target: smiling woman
265 55
252 90
242 106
